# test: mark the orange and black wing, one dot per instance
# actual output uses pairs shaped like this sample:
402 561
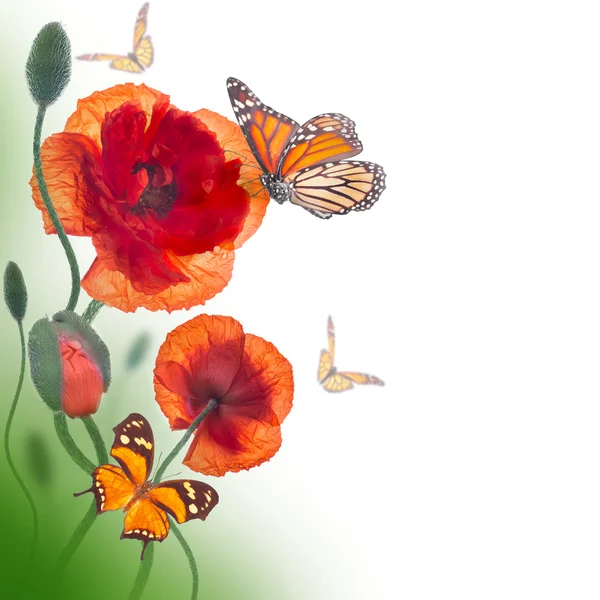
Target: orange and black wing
267 131
146 522
325 138
184 499
327 356
111 487
337 188
341 381
143 51
133 447
141 24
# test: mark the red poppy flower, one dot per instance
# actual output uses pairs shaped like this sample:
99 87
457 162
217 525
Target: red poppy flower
162 192
211 357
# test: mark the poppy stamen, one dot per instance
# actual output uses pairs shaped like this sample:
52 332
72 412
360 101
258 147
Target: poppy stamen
159 199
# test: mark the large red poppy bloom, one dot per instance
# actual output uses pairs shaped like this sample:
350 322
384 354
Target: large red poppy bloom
210 357
162 192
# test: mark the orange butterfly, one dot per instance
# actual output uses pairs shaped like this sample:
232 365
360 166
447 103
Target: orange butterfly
146 505
333 380
143 53
305 164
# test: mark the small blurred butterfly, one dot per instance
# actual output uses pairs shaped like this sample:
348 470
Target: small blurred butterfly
143 52
306 164
146 505
333 380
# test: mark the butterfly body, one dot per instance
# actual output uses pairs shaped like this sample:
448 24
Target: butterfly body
146 505
278 190
307 164
333 380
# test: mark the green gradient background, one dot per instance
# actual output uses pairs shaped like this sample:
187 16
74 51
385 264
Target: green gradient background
232 565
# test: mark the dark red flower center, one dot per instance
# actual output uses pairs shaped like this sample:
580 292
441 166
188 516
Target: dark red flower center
157 198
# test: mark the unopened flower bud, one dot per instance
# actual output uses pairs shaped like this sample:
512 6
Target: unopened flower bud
48 67
70 364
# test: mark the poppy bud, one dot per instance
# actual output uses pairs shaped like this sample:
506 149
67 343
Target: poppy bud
48 67
70 364
15 292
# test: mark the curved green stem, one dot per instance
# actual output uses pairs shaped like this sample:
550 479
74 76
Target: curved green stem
97 440
62 236
9 459
92 310
190 557
79 458
143 574
183 441
67 554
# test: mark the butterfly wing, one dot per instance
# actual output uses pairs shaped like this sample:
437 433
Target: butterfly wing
126 63
111 487
133 447
141 24
184 499
344 380
337 188
144 53
325 138
101 57
267 131
327 356
146 522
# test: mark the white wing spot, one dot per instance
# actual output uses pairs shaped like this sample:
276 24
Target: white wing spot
193 509
124 439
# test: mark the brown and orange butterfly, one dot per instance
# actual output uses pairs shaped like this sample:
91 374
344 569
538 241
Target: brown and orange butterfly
143 52
306 164
146 505
333 380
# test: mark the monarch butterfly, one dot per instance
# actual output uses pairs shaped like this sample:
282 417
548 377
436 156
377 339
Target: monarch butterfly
143 52
146 505
333 380
306 164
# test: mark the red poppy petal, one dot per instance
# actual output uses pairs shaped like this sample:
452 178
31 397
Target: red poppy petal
208 274
67 159
88 117
209 349
264 386
208 455
234 143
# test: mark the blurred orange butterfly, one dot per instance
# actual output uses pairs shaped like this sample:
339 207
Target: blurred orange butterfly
305 164
333 380
146 505
143 52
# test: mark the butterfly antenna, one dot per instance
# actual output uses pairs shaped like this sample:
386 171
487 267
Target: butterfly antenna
249 180
245 157
156 466
262 189
172 475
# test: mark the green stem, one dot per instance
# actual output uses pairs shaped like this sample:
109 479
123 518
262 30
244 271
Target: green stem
62 236
143 574
76 539
9 459
97 440
76 454
190 557
183 441
92 310
79 458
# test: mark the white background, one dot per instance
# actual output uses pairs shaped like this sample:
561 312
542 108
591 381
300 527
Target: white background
471 287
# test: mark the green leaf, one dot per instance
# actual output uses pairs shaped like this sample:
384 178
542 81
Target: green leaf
137 351
48 67
15 292
71 323
45 363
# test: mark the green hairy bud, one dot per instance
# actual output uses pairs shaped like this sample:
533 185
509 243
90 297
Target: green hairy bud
15 292
49 64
